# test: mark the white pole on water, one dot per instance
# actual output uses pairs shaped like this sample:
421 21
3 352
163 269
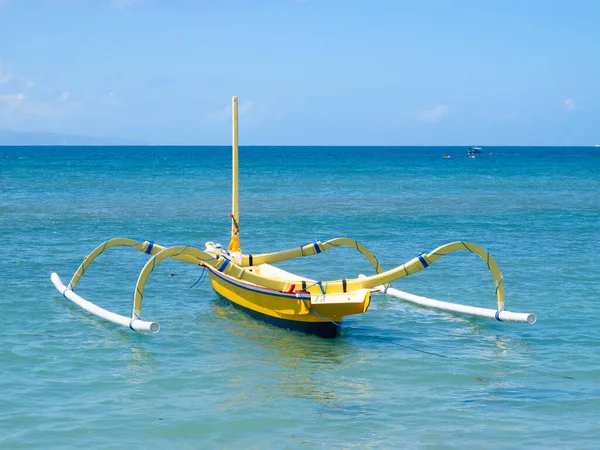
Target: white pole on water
502 316
134 324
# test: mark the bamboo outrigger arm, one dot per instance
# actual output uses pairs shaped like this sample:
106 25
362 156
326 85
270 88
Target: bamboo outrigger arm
384 277
116 242
135 323
309 250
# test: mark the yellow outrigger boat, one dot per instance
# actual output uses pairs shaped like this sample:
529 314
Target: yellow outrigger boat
252 283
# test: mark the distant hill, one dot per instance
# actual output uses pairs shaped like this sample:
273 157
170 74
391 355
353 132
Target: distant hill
9 137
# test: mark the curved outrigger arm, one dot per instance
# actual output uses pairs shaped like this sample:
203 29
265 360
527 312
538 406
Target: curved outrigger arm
313 248
383 278
135 323
148 247
183 253
423 261
116 242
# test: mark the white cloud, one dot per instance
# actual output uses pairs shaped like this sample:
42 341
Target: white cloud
434 114
5 73
18 106
244 109
17 82
570 104
12 99
21 103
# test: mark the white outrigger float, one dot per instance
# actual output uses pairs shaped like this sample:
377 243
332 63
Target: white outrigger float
252 283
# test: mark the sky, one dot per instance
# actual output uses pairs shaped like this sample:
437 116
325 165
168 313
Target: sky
306 72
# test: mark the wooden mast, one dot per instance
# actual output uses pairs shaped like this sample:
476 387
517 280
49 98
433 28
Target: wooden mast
234 244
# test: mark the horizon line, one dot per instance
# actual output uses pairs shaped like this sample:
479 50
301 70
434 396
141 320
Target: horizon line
299 145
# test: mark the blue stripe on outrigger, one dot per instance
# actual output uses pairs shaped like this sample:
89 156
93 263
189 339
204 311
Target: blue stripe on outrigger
150 246
225 263
422 260
317 249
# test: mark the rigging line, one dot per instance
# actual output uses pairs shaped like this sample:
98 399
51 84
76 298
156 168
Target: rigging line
235 222
200 280
405 346
337 324
417 350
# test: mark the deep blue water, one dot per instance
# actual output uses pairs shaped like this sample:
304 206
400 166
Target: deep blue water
398 376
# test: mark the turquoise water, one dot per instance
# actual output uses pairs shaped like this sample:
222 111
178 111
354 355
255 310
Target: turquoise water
397 377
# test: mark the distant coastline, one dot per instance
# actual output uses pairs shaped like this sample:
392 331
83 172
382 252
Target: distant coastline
40 139
20 138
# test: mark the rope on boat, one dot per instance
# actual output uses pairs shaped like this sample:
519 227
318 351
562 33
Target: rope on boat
201 279
326 318
234 243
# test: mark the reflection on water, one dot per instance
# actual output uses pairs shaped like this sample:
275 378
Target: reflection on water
498 348
141 363
293 348
301 366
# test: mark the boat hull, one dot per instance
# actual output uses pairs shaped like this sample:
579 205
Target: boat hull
320 329
283 309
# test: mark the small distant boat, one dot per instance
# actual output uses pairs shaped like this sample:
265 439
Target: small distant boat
475 150
447 156
472 156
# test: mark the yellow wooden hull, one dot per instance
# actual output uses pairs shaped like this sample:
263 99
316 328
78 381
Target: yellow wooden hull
321 315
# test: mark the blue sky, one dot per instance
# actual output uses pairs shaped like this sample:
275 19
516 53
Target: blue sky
311 72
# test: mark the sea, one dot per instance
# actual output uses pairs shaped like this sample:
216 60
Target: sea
399 376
